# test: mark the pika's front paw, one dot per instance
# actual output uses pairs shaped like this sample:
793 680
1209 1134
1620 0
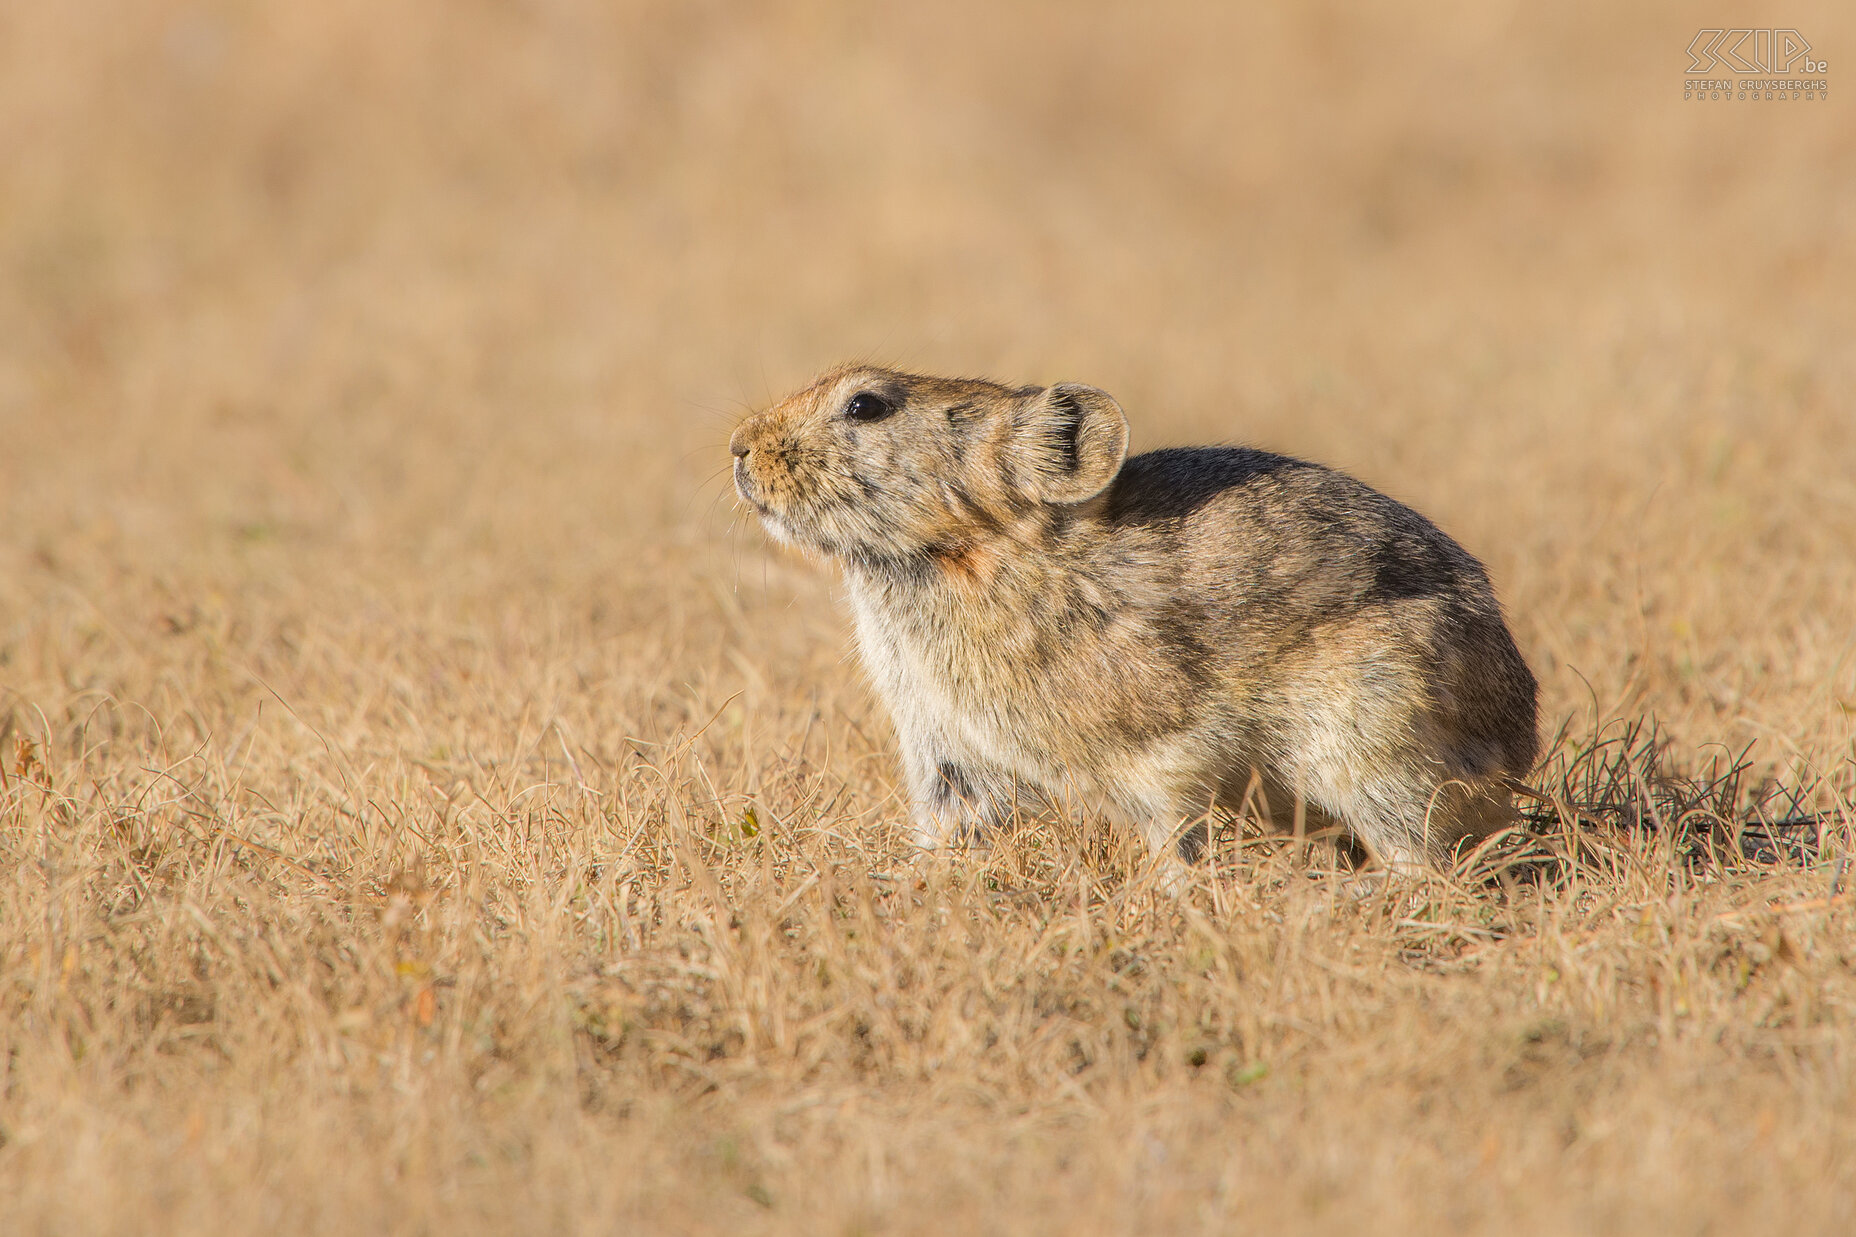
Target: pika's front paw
935 834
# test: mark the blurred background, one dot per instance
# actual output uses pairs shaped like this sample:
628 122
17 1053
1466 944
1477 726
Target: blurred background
454 305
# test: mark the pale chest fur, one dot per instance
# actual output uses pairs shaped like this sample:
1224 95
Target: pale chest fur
945 690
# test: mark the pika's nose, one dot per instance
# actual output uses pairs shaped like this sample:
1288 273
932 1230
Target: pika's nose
738 445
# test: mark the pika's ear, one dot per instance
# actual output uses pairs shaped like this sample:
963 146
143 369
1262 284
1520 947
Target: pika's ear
1074 438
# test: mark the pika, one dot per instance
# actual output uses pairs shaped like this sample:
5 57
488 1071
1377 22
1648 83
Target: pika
1162 634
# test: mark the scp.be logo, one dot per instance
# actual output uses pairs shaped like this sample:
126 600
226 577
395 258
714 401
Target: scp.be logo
1746 50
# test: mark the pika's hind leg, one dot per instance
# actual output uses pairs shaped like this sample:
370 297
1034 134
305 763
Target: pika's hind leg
1388 815
1411 824
1371 749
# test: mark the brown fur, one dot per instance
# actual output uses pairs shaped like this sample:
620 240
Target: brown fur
1041 613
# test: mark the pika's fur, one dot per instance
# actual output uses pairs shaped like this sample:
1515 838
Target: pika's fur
1041 613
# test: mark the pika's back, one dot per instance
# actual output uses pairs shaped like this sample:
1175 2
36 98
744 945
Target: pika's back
1304 538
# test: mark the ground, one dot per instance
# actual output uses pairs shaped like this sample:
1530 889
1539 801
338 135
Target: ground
428 806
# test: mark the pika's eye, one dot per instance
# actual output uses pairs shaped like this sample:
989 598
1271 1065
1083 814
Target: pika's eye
867 406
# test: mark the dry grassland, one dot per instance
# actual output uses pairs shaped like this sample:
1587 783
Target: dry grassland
428 808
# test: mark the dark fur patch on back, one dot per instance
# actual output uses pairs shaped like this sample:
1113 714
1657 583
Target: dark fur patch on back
1172 483
1407 567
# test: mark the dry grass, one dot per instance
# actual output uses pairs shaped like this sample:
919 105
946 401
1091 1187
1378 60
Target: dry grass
425 810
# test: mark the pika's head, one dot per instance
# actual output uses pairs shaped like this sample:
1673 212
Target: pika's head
878 467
